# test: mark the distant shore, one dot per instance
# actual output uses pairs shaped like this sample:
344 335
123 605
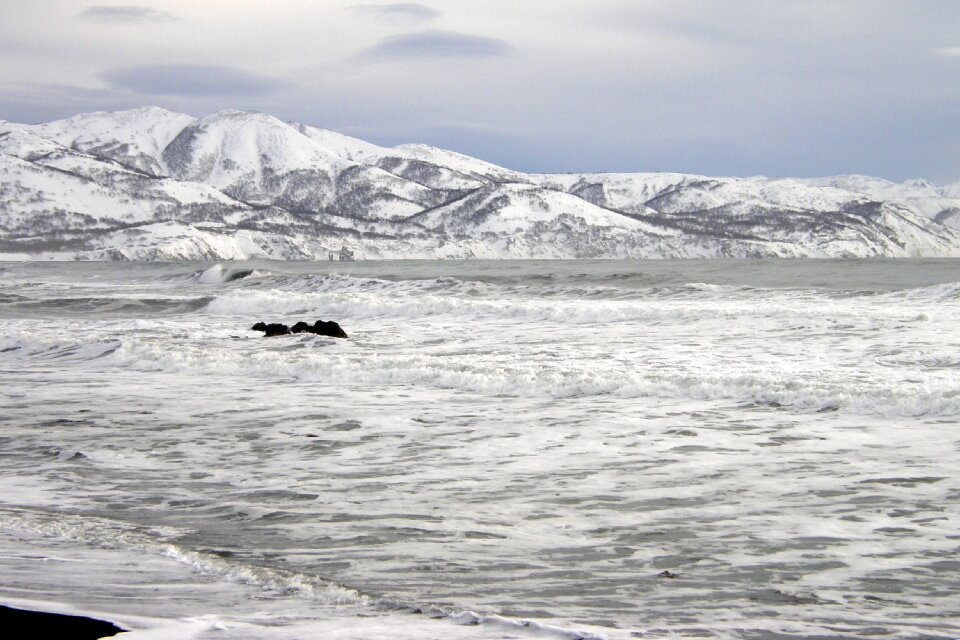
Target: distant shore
55 625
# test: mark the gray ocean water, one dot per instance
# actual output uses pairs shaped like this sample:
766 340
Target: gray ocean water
503 449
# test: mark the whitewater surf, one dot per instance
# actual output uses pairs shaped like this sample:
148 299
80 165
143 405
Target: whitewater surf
590 449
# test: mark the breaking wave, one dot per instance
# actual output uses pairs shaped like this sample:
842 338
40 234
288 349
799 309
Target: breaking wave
945 292
219 274
490 375
376 304
114 534
120 305
33 346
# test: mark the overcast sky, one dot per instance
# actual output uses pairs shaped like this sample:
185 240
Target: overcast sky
721 87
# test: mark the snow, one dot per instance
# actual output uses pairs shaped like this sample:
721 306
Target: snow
151 184
457 162
232 144
52 191
175 241
351 149
522 206
148 130
920 196
20 141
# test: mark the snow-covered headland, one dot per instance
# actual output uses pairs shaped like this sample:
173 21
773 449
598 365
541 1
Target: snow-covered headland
151 184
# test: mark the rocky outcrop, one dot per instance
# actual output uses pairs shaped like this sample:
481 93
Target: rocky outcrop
320 327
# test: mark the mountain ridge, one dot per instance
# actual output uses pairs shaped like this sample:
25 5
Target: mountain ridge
153 184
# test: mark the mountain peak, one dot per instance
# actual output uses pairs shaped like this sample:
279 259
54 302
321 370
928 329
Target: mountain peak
240 114
288 190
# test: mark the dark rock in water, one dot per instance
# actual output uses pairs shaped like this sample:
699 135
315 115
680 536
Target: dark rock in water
320 328
328 328
54 625
301 327
276 329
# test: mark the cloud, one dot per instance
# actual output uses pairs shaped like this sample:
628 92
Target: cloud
427 45
191 80
400 11
949 52
32 102
126 13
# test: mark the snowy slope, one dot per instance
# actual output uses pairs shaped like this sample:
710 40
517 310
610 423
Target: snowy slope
136 138
351 149
61 192
151 184
457 163
939 203
815 220
254 157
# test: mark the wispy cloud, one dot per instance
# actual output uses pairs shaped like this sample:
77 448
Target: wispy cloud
948 52
399 11
191 80
130 13
431 45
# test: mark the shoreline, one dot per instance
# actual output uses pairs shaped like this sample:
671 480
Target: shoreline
42 623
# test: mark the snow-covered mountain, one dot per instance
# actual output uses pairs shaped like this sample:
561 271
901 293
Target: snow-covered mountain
152 184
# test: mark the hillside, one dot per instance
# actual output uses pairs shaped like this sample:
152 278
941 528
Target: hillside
151 184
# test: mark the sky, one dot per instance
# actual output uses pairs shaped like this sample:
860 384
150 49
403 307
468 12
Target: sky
799 88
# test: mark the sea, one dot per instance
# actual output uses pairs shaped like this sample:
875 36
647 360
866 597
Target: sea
500 449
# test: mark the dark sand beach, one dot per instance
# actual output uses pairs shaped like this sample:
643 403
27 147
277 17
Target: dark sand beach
55 625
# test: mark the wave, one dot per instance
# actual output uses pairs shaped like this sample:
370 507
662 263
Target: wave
935 293
252 303
530 288
105 305
219 274
342 283
493 376
497 288
103 532
945 292
108 533
34 346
